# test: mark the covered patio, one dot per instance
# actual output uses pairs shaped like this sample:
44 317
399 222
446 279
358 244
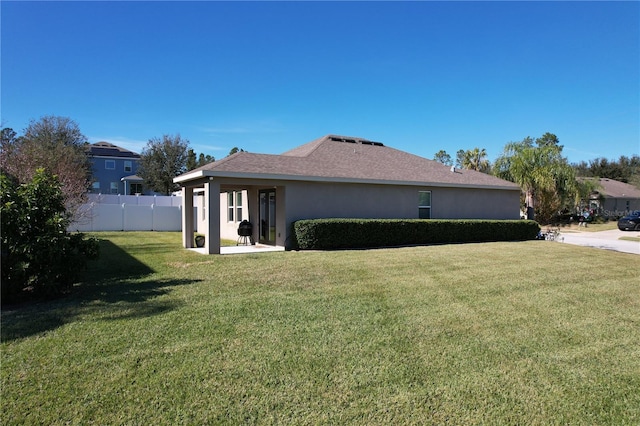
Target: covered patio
264 199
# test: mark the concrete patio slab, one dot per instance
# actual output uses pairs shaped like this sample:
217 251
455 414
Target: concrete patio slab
256 248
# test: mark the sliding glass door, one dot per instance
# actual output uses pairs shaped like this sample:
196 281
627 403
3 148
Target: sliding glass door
267 216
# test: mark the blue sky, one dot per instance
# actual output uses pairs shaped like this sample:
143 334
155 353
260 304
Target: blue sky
269 76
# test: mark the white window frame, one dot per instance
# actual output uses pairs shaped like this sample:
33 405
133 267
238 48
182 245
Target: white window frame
230 206
128 165
235 204
422 207
110 164
114 188
238 197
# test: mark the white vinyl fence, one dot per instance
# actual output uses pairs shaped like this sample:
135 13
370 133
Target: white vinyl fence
129 213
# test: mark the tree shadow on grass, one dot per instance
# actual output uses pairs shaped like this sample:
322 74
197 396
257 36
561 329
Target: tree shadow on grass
116 287
115 263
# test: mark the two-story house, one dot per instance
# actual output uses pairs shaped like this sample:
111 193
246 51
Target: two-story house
114 169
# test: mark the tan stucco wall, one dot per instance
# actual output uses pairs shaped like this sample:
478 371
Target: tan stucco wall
308 200
462 203
319 200
228 230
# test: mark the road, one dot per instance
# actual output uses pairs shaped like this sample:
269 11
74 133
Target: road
608 240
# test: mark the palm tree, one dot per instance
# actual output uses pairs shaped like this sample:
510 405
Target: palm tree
541 172
476 159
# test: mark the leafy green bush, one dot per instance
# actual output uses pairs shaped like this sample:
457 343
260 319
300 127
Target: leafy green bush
39 257
363 233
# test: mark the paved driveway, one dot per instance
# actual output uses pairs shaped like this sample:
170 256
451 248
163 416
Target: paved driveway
608 240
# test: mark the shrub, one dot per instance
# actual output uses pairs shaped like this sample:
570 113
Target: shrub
39 257
366 233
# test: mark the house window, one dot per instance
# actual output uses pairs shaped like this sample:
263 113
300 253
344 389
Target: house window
424 204
128 166
110 164
136 188
230 206
234 206
239 206
114 187
95 187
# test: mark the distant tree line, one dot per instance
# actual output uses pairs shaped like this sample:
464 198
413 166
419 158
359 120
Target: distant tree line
169 156
625 169
472 159
550 185
193 161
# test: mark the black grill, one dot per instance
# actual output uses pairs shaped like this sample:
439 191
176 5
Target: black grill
245 229
245 233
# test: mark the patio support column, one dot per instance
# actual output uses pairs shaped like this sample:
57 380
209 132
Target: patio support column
187 217
254 212
212 217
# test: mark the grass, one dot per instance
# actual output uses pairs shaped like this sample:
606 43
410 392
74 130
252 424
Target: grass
637 239
227 242
530 333
591 227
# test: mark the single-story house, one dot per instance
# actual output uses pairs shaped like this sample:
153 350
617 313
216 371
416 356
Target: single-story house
335 177
614 198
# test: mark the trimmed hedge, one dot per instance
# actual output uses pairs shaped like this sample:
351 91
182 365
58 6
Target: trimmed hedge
327 234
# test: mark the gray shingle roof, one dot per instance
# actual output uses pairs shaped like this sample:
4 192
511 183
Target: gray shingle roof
353 160
106 149
616 189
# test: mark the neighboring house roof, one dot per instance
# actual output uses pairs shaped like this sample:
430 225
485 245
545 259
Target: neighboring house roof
106 149
615 189
334 158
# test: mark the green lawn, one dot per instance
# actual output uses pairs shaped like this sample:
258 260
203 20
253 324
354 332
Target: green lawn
630 239
532 333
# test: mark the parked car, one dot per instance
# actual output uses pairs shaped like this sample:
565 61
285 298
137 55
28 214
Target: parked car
631 222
